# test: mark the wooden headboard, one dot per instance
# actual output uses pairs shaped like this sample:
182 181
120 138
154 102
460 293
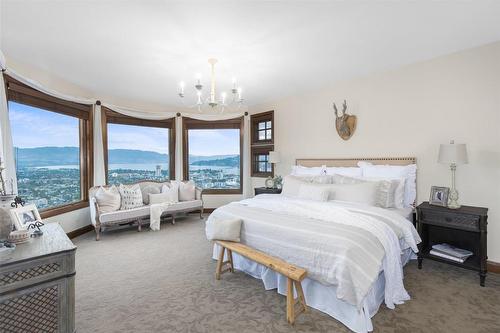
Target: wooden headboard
353 162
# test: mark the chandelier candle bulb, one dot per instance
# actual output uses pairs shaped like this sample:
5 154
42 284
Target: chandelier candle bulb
181 87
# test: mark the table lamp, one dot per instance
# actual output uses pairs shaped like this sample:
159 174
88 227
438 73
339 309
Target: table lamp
453 154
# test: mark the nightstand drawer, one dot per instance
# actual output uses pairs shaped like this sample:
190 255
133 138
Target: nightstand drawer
458 221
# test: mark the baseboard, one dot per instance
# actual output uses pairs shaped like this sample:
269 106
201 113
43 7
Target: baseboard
80 231
493 267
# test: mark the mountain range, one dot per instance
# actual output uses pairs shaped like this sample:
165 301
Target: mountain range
48 156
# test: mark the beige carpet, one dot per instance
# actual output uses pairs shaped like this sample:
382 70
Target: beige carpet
164 282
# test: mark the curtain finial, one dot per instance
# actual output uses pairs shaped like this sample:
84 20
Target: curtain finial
246 113
98 102
178 114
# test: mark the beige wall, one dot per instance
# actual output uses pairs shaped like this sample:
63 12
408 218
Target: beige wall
409 112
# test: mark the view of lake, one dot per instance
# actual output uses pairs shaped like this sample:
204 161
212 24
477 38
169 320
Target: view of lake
146 166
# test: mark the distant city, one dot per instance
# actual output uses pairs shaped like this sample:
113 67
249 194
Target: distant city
50 176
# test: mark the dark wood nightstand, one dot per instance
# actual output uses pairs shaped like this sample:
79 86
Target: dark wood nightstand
269 190
464 228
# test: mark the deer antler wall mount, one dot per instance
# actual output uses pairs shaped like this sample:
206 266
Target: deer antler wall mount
344 123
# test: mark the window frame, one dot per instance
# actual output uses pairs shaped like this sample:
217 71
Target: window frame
109 116
19 92
189 124
258 147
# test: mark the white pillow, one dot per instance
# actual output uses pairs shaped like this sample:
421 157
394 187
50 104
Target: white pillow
146 190
316 192
187 191
390 193
344 171
172 189
299 170
131 196
408 172
156 198
108 199
223 229
323 179
291 186
364 193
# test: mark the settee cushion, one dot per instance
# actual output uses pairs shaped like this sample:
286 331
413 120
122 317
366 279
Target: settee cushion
181 205
124 214
187 191
131 196
172 190
147 190
108 199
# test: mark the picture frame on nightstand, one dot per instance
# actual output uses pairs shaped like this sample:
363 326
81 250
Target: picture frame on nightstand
439 196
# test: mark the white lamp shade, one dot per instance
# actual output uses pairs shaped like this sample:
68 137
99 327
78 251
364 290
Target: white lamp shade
274 157
453 153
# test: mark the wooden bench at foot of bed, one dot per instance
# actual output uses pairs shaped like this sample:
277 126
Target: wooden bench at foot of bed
294 274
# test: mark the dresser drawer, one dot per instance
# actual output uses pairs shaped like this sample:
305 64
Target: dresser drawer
447 219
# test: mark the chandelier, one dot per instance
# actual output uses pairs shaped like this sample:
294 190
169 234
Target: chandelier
235 101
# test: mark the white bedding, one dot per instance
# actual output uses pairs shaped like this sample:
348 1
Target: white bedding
341 244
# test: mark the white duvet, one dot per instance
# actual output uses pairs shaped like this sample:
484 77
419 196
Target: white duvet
339 243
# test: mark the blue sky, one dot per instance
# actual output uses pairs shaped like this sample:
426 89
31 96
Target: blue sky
34 128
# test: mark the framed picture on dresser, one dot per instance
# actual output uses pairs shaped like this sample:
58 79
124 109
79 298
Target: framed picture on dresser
23 216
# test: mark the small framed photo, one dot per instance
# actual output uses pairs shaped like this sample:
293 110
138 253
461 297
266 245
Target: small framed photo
23 216
439 196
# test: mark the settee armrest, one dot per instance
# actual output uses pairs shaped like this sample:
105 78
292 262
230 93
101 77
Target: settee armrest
94 211
199 193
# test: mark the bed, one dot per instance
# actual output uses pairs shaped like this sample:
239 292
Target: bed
352 250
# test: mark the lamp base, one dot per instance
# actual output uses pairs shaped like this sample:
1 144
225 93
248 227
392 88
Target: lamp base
453 199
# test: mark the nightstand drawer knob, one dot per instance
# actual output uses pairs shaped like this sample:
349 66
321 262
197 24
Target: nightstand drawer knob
448 219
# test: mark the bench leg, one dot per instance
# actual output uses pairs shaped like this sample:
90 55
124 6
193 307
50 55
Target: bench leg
230 258
291 301
219 263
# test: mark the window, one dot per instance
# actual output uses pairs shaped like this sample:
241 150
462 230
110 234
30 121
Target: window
137 149
212 154
52 141
262 138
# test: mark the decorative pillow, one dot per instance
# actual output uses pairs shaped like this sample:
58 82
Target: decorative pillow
187 191
299 170
314 192
324 179
344 171
160 198
362 193
108 199
172 189
149 189
223 229
390 192
131 196
408 172
291 185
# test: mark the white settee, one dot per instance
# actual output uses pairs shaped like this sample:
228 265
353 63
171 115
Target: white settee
139 215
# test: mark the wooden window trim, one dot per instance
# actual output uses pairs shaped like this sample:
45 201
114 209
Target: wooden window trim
261 150
260 146
254 120
19 92
190 123
109 116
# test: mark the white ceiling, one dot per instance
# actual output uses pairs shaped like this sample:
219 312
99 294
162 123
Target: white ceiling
140 50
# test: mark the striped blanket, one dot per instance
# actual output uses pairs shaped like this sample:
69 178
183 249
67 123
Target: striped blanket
342 245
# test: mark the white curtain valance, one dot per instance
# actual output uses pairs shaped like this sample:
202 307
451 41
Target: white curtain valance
212 117
150 115
6 146
38 86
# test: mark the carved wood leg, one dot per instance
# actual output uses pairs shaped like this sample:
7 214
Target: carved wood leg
419 262
219 263
173 219
139 226
97 231
201 214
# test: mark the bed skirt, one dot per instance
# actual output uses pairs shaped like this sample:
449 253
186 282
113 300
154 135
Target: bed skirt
321 297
